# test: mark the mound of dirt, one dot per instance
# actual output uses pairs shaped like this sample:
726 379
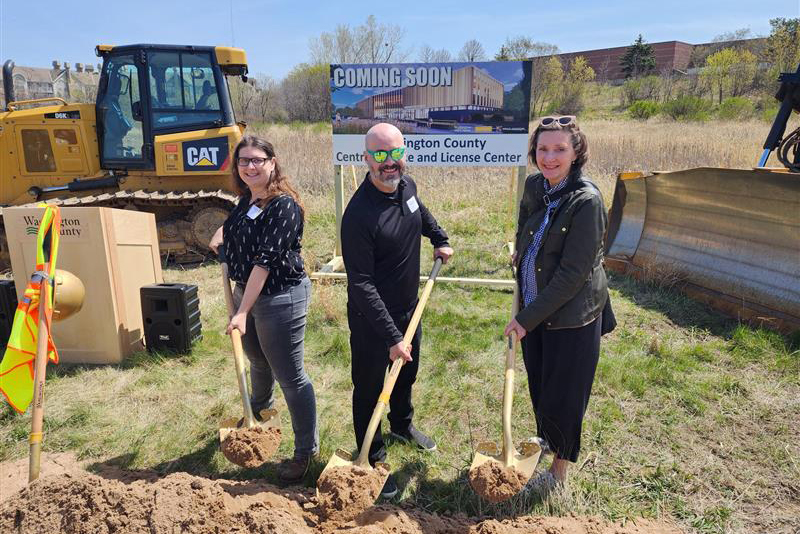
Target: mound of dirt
76 502
495 482
346 491
14 474
251 447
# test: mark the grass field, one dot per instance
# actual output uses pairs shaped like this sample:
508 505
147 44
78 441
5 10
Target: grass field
693 416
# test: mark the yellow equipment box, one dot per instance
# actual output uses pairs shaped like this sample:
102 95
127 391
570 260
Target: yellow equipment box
114 252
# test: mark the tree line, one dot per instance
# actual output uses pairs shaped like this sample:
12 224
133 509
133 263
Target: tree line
728 73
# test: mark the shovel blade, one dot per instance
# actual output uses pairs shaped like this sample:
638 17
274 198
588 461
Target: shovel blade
269 419
524 460
486 451
342 458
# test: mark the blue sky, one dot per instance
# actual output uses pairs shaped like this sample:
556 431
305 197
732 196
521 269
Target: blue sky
275 33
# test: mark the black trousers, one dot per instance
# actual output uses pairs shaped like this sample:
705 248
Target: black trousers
370 359
561 366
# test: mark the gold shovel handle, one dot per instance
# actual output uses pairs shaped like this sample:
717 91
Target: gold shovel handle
236 340
394 372
508 387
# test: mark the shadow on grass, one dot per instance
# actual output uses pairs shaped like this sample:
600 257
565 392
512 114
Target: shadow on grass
435 495
199 462
137 359
684 311
679 308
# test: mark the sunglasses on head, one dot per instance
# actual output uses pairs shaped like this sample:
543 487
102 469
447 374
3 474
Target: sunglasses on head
380 155
564 120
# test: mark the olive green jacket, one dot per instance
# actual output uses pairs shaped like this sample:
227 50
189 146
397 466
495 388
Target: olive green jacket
571 281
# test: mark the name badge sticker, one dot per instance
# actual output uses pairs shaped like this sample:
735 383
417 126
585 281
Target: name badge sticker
254 211
412 204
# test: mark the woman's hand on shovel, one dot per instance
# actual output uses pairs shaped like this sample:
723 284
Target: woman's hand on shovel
239 322
400 351
514 326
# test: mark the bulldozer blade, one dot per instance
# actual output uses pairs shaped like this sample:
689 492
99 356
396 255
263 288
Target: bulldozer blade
269 419
709 233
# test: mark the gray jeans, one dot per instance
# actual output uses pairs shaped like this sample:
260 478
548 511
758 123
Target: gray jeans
273 342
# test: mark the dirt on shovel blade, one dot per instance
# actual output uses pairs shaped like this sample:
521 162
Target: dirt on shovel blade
251 447
494 482
347 491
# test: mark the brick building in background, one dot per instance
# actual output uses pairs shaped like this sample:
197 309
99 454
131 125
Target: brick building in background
670 56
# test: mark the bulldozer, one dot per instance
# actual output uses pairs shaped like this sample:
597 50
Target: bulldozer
159 138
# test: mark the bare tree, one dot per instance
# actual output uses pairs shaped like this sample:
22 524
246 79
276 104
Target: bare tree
429 55
381 42
735 35
522 47
370 42
268 102
305 93
472 51
338 46
244 96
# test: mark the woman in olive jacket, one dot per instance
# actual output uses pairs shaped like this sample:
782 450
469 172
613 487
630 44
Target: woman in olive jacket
563 289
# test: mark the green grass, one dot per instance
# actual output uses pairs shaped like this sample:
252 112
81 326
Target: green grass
692 416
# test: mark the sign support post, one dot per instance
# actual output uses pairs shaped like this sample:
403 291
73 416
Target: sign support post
337 263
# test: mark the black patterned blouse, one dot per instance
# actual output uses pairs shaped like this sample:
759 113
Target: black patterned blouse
269 237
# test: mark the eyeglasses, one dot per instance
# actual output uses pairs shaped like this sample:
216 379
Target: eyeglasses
380 155
565 120
258 162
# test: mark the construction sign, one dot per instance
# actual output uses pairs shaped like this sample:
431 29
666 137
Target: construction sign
451 114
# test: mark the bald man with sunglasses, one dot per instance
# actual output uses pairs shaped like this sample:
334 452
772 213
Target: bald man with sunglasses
381 233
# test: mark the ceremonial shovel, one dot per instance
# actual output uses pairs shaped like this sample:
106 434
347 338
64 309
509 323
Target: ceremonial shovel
526 459
269 417
342 458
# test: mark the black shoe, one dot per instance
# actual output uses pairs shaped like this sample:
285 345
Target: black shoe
389 487
412 435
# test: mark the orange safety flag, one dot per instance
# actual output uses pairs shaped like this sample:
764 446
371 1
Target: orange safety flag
16 369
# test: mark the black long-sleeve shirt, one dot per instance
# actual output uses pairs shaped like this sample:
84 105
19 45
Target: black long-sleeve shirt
269 237
380 247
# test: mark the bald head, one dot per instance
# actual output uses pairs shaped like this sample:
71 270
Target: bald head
383 136
385 175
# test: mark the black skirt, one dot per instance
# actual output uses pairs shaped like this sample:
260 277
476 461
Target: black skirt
561 365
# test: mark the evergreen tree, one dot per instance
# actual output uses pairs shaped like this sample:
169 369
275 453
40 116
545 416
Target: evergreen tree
639 59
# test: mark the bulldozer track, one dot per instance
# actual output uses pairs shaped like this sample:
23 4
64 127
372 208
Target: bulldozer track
185 219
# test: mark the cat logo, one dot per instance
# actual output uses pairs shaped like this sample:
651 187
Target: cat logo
202 156
206 154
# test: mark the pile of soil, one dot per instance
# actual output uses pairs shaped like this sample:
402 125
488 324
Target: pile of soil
495 482
347 491
251 447
14 475
76 502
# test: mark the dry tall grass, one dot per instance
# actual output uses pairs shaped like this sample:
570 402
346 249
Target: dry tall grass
615 146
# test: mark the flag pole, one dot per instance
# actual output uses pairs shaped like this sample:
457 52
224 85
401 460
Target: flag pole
40 370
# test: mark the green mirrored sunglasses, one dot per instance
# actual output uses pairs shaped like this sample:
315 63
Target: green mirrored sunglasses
380 155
